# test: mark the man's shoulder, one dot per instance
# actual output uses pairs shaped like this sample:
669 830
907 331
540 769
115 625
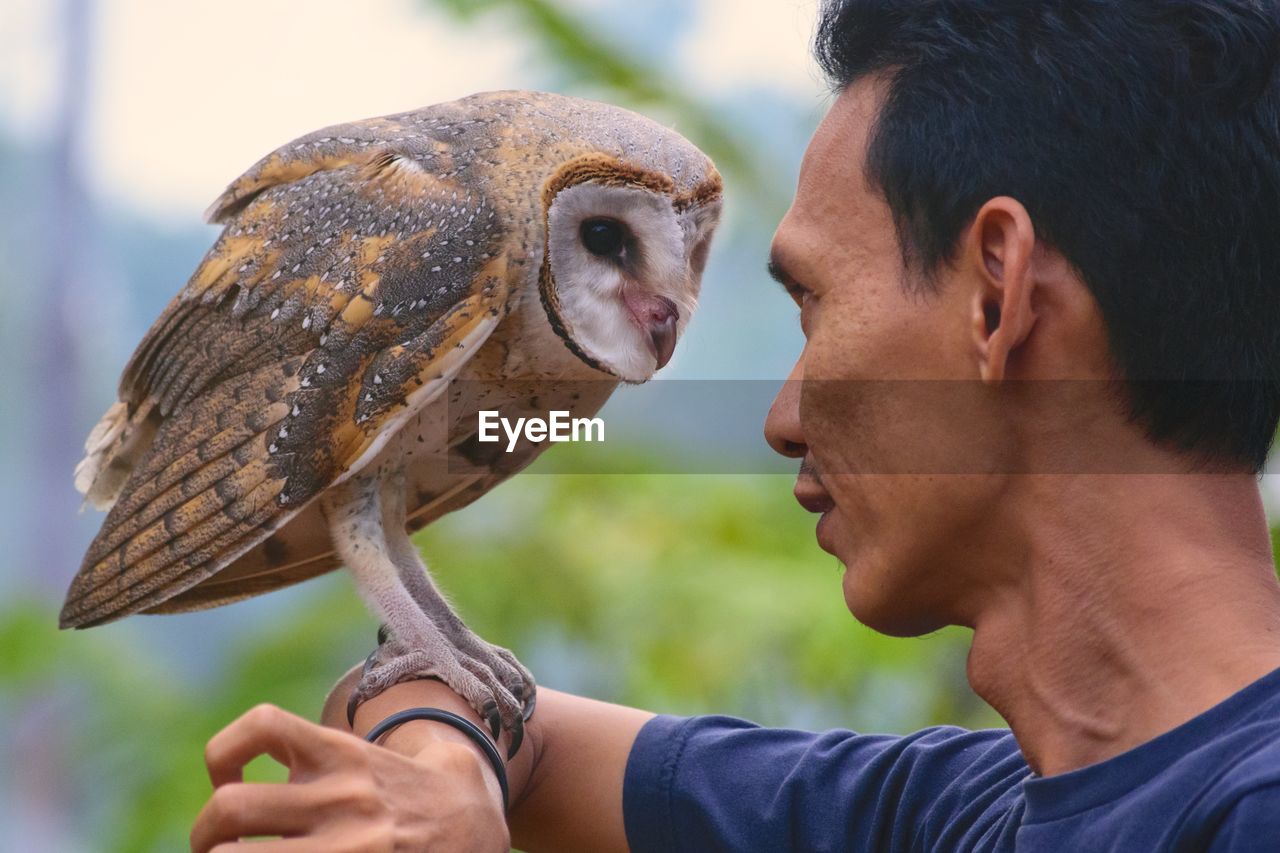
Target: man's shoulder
934 744
1249 818
1243 757
1230 783
716 782
1248 770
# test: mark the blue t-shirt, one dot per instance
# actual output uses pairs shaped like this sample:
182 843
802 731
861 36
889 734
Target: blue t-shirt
717 783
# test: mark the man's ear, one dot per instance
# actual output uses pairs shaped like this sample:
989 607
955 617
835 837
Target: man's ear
999 248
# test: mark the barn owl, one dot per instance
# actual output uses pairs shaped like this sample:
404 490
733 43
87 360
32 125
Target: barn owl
311 395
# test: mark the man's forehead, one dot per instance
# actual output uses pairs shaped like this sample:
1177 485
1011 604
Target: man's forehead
837 152
833 199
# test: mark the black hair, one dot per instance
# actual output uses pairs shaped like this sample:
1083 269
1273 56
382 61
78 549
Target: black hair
1143 137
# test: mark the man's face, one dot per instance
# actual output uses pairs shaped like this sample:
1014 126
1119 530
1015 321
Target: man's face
876 439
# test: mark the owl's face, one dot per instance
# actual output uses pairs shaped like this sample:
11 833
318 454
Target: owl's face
625 263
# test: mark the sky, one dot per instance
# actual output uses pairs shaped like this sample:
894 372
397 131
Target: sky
187 95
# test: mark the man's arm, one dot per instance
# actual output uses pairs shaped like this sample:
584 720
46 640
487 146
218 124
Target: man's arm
566 780
427 786
693 783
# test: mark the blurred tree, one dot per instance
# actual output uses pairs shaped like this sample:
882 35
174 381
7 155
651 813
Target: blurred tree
55 390
590 60
676 593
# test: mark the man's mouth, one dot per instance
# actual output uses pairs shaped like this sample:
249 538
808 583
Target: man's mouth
814 497
809 491
813 500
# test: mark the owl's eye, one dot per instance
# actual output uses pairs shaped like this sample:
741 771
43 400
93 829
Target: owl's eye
604 237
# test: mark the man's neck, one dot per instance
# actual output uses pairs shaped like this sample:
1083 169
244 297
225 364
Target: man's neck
1140 602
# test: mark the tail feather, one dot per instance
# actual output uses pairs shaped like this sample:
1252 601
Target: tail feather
97 447
166 572
216 592
205 493
112 450
148 535
201 468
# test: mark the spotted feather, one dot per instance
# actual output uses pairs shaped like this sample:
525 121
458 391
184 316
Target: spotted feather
255 369
363 269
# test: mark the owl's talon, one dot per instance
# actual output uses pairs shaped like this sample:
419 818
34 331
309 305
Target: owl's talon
517 737
353 702
529 704
363 691
369 663
491 713
490 678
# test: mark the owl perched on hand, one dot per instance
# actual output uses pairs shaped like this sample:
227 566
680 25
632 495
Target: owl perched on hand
301 402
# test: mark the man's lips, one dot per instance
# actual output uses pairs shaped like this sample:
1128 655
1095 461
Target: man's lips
811 494
814 497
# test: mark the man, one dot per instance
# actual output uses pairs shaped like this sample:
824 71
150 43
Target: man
1035 251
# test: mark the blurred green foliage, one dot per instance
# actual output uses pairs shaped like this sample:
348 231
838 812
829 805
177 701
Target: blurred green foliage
676 593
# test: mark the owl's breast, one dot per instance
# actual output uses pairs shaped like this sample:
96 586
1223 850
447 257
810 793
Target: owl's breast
522 371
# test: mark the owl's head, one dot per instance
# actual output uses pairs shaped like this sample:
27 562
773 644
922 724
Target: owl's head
623 268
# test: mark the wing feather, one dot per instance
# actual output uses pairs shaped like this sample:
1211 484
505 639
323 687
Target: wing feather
262 367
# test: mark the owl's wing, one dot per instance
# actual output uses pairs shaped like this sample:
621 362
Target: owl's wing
344 293
474 472
303 550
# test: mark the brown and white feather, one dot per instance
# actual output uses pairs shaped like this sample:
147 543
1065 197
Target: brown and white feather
361 270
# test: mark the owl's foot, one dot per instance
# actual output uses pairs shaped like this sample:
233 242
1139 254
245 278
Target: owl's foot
501 693
509 672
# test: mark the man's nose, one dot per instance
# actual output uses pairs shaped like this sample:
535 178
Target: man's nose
782 426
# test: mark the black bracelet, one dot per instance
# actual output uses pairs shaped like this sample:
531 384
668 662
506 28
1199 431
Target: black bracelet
462 724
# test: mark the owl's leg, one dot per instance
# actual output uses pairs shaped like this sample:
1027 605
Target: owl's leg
354 512
481 657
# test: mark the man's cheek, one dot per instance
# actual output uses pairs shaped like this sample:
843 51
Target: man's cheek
815 421
834 418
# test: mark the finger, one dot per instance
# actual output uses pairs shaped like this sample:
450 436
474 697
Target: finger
268 730
237 810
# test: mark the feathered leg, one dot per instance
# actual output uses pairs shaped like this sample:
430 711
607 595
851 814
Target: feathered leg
354 512
485 660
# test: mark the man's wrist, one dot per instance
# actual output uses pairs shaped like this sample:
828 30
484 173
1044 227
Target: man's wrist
412 738
423 693
418 738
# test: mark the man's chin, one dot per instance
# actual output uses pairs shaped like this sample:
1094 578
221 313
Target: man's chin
882 608
868 584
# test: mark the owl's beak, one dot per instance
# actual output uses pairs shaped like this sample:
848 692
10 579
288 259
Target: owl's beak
657 317
662 338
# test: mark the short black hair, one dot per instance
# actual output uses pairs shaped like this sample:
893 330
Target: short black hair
1143 137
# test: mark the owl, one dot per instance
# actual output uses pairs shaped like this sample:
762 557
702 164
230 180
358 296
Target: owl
311 396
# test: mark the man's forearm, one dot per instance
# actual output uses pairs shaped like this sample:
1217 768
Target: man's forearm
572 798
566 781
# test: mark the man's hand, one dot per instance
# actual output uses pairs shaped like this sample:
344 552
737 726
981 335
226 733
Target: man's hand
346 794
